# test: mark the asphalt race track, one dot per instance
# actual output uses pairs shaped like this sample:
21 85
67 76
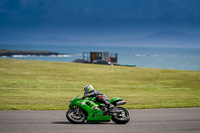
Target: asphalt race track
185 120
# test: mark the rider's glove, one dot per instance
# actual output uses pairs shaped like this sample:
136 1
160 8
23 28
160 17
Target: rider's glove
86 95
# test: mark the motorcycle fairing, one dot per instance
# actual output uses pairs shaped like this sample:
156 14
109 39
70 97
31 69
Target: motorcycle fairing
94 113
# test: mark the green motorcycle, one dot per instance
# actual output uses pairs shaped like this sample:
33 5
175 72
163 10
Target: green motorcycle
90 110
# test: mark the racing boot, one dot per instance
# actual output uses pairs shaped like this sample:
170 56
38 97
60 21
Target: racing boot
109 106
108 109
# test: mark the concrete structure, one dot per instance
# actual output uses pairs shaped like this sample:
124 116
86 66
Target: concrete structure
103 56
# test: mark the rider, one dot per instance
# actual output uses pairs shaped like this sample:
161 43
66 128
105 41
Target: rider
91 92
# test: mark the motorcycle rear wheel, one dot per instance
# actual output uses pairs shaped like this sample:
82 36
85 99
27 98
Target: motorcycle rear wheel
76 118
122 118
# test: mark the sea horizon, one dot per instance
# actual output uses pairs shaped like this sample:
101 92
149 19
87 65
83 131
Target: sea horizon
179 58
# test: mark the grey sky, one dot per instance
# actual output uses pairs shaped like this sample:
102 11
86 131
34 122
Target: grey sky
100 22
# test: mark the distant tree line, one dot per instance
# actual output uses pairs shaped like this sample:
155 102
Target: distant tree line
5 52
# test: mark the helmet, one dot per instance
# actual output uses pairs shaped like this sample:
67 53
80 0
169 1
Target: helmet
88 88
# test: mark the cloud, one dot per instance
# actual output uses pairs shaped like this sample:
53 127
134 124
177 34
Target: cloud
101 11
97 18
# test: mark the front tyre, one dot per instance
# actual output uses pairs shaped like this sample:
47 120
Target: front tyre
76 118
123 117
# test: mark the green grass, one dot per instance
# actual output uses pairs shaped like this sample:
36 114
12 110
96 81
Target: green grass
40 85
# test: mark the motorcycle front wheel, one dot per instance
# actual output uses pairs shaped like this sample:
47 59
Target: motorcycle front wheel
121 118
76 118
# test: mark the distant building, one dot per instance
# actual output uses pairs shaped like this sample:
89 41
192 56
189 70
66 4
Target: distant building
100 56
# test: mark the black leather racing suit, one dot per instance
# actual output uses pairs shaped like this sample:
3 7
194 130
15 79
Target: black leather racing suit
100 97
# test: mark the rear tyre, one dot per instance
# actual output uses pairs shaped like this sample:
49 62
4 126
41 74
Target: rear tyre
123 117
76 118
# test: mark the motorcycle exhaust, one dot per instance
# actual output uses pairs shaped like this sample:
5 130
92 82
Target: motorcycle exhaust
120 103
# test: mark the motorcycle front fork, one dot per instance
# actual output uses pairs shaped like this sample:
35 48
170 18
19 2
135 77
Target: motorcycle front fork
76 110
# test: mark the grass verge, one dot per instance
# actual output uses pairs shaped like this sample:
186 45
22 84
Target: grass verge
41 85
